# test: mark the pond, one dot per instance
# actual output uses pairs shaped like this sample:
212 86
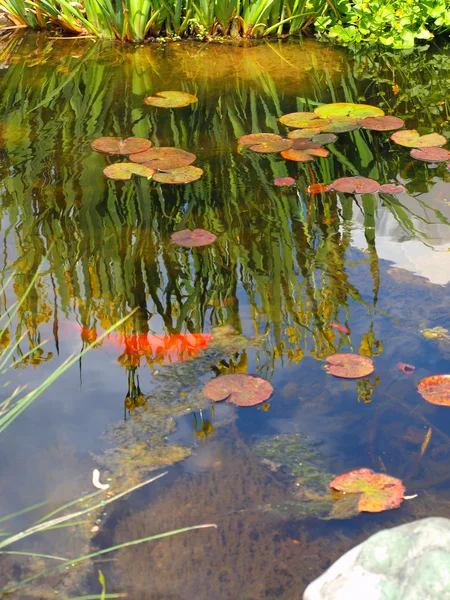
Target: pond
291 279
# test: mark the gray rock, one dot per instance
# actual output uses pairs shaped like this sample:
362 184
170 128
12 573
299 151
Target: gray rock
409 562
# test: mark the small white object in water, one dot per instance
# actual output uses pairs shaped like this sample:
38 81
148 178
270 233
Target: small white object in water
96 480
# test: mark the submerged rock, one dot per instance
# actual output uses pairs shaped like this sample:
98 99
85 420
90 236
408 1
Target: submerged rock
409 562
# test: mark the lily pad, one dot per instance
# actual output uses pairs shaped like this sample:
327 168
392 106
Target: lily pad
356 185
301 120
117 145
341 125
347 109
304 144
349 366
179 175
193 239
431 154
381 123
307 133
284 181
171 99
377 492
412 139
265 142
318 188
435 389
164 158
304 155
392 188
123 171
239 389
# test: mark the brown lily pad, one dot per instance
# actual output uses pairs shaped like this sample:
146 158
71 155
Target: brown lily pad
304 155
284 181
412 139
341 125
349 366
164 158
124 171
117 145
309 134
377 492
381 123
301 120
180 175
430 154
171 99
435 389
193 239
356 185
347 109
239 389
265 142
392 188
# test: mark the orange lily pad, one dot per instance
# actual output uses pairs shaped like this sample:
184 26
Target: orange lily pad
430 154
193 239
301 120
180 175
171 99
435 389
349 366
392 188
117 145
318 188
124 171
412 139
284 181
164 158
381 123
356 185
239 389
304 155
265 142
377 492
347 109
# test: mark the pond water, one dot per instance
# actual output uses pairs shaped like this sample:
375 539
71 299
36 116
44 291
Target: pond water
286 268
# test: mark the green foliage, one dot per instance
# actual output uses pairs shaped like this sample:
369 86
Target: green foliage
396 23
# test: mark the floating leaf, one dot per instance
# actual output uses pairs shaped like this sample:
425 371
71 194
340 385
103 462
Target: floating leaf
265 142
304 144
405 368
284 181
412 139
304 155
356 185
436 389
347 109
317 188
171 99
349 366
123 171
431 154
117 145
239 389
307 133
301 120
192 239
377 492
164 158
392 188
381 123
341 125
180 175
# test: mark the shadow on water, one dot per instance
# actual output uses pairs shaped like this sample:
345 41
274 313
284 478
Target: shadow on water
286 268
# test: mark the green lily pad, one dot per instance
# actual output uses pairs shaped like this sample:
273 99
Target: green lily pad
300 120
179 175
349 366
193 239
377 492
117 145
164 158
341 125
412 139
381 123
431 154
356 185
347 109
304 155
124 171
171 99
239 389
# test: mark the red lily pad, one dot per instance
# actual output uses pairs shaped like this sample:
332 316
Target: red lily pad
377 492
405 368
341 125
117 145
381 123
392 188
124 171
431 154
349 366
164 158
304 155
347 109
435 389
301 120
356 185
317 188
171 99
284 181
193 239
412 139
180 175
239 389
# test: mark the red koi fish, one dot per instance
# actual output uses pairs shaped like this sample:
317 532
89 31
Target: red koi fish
339 327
